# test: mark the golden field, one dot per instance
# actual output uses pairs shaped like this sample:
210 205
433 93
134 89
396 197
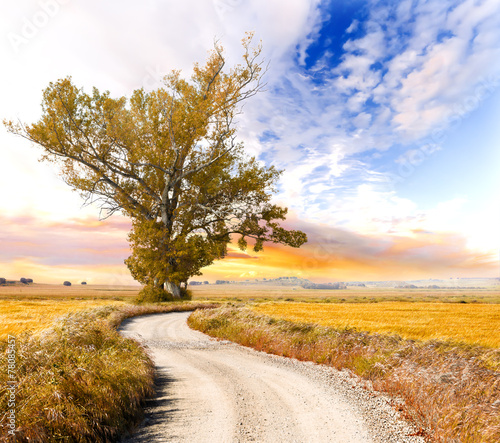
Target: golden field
469 323
17 316
401 311
35 307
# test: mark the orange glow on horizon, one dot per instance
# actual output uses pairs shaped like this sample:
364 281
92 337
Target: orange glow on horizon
93 251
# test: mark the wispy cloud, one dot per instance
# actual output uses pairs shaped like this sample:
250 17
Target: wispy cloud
410 72
75 242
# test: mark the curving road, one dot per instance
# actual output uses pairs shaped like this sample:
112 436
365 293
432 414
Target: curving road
217 391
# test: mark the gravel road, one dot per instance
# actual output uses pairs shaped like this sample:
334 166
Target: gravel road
217 392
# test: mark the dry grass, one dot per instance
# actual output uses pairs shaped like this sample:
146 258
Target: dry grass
17 316
469 323
452 392
79 381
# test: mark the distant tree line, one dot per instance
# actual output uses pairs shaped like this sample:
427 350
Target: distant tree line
337 285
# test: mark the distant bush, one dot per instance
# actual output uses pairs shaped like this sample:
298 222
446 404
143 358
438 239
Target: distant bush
186 294
154 294
84 282
67 283
24 280
3 281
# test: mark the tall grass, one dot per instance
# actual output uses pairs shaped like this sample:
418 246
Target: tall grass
452 392
79 381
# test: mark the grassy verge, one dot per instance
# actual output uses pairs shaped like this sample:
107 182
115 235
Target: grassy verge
79 381
451 391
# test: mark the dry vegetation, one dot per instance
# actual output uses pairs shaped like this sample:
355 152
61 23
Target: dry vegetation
17 316
469 323
79 380
35 307
452 391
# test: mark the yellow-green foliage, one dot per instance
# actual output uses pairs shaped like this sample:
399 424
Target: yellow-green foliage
17 316
469 323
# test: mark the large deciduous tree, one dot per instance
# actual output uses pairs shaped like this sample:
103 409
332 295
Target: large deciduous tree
169 160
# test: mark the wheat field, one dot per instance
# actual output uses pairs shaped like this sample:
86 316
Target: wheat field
468 323
17 316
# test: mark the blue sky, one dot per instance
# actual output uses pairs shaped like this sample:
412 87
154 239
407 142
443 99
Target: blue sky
383 115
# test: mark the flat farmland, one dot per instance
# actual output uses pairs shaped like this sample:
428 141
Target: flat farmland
466 323
35 307
244 293
17 316
49 292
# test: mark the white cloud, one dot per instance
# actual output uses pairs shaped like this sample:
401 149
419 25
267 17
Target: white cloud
353 26
442 62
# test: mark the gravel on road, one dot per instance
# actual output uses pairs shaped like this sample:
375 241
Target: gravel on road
217 391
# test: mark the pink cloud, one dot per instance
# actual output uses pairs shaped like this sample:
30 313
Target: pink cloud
73 242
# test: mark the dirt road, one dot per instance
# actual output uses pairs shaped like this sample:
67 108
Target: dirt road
216 391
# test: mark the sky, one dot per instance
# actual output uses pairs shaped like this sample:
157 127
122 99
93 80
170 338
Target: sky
382 114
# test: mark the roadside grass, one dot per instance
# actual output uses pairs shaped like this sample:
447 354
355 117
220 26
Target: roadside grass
452 391
475 324
80 380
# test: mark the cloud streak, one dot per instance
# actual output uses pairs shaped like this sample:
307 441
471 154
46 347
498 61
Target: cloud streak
76 242
338 254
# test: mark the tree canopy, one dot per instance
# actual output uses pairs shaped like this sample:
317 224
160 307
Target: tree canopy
168 159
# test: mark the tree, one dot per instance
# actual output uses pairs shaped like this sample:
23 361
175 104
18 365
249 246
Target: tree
169 160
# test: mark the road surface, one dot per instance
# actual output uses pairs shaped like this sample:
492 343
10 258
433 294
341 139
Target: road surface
216 391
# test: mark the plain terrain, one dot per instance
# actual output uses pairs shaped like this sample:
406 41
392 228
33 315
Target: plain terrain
36 306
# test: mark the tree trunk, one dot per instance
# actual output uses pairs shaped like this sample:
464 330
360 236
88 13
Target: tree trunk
174 289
